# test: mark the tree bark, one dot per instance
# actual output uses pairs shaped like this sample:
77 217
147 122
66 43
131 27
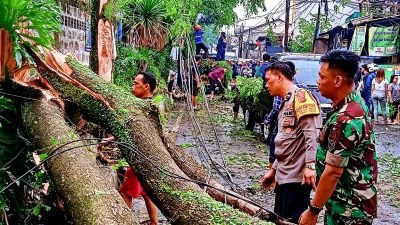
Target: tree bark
88 197
197 172
136 122
95 7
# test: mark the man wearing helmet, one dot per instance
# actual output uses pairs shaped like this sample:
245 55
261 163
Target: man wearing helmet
198 39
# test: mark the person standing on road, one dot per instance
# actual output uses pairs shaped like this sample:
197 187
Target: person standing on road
364 71
264 65
221 46
379 95
394 95
235 70
346 166
143 87
367 81
195 82
257 72
299 121
198 39
271 120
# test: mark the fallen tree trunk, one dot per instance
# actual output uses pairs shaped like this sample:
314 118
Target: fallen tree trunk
88 197
134 122
197 172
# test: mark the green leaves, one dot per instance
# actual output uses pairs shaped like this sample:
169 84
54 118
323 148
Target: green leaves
5 106
37 210
303 41
145 18
128 62
250 89
41 17
121 163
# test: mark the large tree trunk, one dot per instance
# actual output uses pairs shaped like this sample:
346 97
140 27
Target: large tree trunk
135 122
88 197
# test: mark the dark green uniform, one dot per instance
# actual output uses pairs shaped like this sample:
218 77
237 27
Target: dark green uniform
347 140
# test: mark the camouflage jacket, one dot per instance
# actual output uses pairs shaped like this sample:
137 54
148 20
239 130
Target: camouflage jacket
347 140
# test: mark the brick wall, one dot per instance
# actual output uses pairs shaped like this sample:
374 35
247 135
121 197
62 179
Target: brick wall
72 38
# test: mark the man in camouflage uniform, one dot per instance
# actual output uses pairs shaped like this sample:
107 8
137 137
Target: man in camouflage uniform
346 160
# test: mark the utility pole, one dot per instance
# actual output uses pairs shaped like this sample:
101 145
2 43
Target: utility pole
317 26
240 41
293 18
286 38
248 44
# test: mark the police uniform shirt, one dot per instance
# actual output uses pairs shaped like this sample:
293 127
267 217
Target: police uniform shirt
299 122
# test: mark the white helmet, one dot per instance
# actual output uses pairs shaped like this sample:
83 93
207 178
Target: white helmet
372 67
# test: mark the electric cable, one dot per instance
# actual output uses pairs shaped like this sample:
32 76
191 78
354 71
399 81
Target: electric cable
57 151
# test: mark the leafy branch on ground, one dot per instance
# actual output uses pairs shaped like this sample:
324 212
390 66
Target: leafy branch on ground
250 89
249 160
389 178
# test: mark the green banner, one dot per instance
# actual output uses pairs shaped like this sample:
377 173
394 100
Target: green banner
383 41
358 40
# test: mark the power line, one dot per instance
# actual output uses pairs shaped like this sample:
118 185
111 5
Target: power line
57 151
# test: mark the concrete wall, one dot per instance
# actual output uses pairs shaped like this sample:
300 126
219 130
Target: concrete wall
72 37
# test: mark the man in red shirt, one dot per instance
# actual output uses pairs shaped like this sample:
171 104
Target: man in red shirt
216 77
143 87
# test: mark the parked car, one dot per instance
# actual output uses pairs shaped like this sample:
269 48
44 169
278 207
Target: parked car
307 68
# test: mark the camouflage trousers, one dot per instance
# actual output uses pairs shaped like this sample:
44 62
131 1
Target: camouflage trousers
335 219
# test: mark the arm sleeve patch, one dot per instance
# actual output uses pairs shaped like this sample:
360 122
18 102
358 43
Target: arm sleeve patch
304 104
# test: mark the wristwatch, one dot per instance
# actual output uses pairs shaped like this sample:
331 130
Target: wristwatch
314 209
310 166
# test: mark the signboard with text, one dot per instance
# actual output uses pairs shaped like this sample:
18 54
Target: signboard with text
383 41
358 41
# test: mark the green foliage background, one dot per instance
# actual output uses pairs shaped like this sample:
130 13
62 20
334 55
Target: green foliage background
127 63
303 42
271 35
14 15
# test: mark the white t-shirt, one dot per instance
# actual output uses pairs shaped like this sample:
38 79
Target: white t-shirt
380 88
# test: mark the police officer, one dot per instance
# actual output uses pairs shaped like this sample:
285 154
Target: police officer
346 160
295 144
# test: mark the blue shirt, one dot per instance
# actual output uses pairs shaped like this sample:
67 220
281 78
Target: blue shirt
368 84
263 68
198 37
221 44
235 72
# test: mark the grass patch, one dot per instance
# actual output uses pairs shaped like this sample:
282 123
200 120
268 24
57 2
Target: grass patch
263 148
239 133
187 145
221 118
247 159
389 178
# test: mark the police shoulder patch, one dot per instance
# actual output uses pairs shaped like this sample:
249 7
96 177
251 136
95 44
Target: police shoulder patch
304 104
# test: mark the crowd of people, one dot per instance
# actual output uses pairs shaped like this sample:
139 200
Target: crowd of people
377 91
